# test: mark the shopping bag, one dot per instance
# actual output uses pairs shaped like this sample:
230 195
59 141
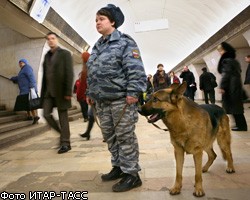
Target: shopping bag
33 93
34 100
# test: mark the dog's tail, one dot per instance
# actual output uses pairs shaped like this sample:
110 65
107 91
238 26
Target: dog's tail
215 112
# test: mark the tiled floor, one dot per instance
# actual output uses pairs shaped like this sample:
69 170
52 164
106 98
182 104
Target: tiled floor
34 165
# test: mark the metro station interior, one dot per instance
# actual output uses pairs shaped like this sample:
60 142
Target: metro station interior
194 29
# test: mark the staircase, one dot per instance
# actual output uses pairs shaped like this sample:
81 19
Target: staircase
74 113
14 129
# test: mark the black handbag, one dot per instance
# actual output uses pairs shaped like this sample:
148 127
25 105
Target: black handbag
35 101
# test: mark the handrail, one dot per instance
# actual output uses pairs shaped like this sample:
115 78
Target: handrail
4 77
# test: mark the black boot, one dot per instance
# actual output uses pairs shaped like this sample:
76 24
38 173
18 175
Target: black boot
89 128
128 182
35 120
85 135
114 174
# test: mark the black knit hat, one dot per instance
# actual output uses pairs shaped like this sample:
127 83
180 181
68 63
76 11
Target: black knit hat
204 69
116 13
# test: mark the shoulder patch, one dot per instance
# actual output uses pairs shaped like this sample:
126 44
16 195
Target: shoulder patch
135 53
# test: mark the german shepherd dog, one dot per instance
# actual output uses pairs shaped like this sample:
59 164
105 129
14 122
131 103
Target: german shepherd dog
193 129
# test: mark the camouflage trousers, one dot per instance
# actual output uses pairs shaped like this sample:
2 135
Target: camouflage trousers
122 141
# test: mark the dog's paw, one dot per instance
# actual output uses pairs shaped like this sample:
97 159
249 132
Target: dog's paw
175 191
199 193
230 170
204 169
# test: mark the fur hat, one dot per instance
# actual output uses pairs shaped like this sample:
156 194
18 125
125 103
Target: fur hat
230 52
85 56
229 49
23 60
116 13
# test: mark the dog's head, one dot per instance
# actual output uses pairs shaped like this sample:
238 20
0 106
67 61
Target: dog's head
163 102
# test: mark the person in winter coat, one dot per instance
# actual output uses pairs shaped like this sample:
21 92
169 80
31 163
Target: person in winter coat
90 114
231 85
173 78
80 89
25 80
160 79
150 88
207 85
145 96
247 78
57 86
188 77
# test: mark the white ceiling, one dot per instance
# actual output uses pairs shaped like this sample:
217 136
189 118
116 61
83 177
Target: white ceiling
191 22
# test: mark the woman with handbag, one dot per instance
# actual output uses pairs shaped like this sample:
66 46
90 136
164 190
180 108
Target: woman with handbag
26 81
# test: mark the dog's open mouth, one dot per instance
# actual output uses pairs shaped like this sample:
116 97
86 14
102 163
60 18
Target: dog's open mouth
153 118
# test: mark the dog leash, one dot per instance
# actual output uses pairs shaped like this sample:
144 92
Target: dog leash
164 129
119 119
95 117
123 111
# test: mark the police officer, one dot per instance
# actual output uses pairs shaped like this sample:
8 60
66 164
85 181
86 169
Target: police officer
116 77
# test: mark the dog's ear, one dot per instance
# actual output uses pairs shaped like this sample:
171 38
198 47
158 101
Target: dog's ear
181 89
178 92
174 85
163 94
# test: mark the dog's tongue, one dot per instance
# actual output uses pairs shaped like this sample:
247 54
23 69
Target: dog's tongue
153 118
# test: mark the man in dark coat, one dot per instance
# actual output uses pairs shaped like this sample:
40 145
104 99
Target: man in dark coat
231 85
247 78
57 86
161 79
207 84
188 77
